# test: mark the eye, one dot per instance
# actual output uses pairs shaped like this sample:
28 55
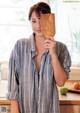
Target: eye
33 21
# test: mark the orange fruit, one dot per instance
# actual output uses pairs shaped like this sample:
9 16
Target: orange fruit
79 85
76 85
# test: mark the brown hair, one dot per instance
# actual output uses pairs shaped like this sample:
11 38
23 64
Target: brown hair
39 8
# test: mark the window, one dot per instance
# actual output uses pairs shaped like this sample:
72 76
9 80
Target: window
68 26
14 24
71 1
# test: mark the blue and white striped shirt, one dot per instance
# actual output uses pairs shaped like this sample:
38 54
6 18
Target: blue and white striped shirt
35 95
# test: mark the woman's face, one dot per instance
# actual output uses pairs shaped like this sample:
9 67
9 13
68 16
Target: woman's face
36 25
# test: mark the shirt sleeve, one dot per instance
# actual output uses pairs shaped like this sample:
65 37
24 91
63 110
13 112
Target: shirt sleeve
65 59
13 78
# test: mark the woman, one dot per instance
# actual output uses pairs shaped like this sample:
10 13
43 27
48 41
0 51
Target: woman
37 66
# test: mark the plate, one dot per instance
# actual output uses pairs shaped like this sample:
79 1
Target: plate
73 90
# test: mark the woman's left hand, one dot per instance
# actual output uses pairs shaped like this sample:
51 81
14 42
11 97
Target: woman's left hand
50 45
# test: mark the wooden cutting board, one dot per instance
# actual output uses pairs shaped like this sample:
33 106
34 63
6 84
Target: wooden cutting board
48 24
73 90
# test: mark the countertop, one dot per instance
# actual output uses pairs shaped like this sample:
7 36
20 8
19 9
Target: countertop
69 98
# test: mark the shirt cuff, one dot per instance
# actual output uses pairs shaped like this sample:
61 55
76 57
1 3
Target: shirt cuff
12 96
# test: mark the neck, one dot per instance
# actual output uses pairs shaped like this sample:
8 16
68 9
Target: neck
39 39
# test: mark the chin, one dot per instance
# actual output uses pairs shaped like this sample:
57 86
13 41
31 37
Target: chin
39 34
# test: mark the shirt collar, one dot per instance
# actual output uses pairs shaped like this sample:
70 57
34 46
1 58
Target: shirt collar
32 43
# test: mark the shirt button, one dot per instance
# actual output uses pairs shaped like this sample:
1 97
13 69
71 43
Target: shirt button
38 102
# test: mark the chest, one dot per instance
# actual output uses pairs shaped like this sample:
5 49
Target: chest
40 52
38 60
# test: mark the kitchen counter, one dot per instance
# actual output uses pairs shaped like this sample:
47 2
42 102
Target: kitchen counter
69 98
70 103
4 101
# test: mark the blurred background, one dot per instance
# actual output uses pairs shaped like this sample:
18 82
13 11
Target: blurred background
14 25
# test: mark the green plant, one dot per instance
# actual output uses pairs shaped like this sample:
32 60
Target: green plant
76 36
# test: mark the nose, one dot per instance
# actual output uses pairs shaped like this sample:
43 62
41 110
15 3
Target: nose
39 24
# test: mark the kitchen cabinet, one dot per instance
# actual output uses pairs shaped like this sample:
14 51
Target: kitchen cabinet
4 108
70 104
69 108
4 105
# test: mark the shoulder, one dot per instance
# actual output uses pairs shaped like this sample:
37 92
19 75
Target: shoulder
62 45
21 45
61 48
22 41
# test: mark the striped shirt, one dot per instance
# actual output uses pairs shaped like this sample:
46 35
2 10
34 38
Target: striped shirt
35 95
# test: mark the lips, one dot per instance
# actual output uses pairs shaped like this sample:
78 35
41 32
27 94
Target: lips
38 30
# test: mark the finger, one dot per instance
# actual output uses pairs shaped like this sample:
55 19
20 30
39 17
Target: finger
50 37
47 41
51 41
47 45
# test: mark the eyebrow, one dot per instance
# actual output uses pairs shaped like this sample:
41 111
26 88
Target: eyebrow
33 18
